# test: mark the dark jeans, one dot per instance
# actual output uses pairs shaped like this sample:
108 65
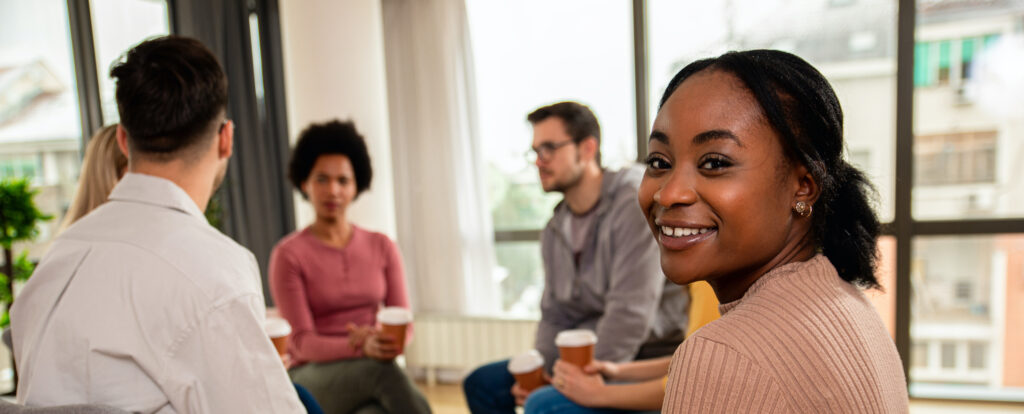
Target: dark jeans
547 400
489 389
361 385
312 407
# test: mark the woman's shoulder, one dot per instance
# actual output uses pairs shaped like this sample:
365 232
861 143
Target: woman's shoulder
294 241
372 238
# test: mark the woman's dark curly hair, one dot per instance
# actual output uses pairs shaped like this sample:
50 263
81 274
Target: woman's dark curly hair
332 137
803 109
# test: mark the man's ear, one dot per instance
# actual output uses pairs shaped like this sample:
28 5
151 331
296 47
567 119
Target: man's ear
122 142
225 140
589 148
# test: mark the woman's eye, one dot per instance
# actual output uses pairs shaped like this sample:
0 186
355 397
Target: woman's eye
714 163
657 163
321 179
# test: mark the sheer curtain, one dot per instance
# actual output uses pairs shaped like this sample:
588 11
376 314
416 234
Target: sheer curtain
444 225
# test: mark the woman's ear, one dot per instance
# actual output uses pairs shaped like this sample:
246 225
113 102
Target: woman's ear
807 189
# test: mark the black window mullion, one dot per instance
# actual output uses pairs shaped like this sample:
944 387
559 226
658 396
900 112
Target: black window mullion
903 224
84 53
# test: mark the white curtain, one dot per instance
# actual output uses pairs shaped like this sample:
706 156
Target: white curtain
444 225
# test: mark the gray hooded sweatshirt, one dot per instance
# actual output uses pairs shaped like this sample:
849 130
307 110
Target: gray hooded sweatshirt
618 290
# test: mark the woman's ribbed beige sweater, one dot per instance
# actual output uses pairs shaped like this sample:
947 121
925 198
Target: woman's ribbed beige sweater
800 340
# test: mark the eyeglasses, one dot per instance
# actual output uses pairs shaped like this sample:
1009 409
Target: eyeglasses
544 151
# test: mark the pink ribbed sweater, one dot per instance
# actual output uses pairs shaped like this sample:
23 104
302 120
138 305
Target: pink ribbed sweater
800 340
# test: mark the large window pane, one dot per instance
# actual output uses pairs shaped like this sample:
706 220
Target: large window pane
852 42
117 26
533 53
967 312
522 278
968 100
40 128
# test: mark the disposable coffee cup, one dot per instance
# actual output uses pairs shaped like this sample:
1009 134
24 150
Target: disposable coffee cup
278 330
576 346
528 368
394 321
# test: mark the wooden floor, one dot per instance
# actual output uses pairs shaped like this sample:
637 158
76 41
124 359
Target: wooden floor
445 398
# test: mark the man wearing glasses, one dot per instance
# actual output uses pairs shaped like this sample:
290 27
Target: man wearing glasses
601 266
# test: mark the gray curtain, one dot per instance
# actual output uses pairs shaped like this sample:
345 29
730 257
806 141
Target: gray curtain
255 200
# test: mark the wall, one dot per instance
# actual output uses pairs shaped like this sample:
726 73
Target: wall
334 68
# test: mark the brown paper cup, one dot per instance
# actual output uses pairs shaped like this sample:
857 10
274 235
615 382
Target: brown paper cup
577 355
397 332
281 344
278 330
531 380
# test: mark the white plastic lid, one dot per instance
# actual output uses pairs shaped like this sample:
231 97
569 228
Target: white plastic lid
394 315
525 362
277 327
576 337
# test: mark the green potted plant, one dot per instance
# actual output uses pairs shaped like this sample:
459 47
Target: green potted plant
19 222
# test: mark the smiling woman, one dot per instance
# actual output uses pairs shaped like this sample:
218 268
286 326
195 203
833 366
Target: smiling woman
746 188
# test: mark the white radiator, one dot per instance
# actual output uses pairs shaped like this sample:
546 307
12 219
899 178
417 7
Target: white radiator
461 343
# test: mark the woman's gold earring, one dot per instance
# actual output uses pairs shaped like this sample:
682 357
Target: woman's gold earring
803 209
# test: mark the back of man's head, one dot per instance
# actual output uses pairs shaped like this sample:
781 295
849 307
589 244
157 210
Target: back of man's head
171 92
580 122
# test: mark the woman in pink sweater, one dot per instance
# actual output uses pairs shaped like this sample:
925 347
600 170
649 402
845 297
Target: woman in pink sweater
746 187
330 279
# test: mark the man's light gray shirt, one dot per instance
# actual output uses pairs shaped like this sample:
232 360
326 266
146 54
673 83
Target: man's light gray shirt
144 306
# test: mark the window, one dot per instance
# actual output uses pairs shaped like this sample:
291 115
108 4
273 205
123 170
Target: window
40 129
533 53
966 292
957 158
967 200
920 355
948 355
977 354
117 26
936 62
20 166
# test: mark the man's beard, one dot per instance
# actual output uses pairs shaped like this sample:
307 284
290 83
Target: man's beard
219 178
562 186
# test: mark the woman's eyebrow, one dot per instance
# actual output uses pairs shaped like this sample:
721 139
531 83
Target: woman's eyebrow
708 136
658 136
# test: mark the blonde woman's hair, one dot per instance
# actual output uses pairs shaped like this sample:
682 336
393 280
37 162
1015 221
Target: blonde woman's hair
102 167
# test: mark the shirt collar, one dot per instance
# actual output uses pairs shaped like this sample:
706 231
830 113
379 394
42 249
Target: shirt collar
148 189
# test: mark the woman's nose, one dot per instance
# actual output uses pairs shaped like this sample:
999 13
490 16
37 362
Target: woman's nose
678 189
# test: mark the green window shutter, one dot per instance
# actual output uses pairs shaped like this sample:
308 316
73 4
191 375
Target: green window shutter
989 40
921 64
944 54
967 49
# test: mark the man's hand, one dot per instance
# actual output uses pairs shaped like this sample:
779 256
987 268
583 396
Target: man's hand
520 394
575 384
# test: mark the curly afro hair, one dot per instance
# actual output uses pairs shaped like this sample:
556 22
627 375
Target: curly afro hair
332 137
